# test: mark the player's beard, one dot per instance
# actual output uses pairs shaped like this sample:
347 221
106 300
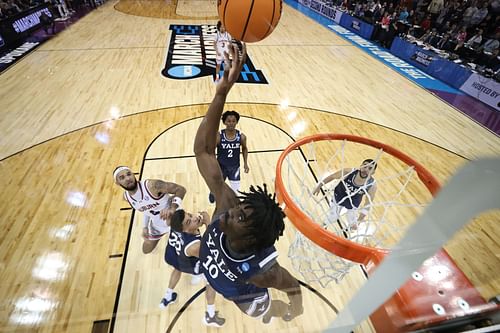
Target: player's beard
363 175
131 188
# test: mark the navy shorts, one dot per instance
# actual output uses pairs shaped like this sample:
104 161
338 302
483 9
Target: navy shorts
230 172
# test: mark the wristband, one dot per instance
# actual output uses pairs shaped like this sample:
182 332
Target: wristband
178 202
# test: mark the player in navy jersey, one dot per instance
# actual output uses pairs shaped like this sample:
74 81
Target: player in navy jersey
355 184
156 199
229 143
237 252
182 253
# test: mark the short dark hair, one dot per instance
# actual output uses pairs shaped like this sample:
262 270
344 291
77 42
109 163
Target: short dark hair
219 24
177 219
230 113
369 160
267 217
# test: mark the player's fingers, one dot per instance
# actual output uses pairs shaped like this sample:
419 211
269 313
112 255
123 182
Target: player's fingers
243 52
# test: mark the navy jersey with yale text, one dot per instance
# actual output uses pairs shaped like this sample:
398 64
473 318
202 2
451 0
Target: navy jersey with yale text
175 253
351 196
228 275
228 151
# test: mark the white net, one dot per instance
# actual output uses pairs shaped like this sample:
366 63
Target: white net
391 198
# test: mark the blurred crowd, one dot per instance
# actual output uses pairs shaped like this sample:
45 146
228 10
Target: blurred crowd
63 9
467 30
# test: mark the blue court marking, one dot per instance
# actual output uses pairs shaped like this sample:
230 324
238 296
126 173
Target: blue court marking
184 71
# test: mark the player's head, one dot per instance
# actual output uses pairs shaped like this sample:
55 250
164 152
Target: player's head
256 223
230 119
220 27
124 177
367 168
182 221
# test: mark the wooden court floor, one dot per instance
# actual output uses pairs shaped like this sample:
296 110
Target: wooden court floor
93 98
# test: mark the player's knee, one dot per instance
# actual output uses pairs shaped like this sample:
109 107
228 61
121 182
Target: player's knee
148 246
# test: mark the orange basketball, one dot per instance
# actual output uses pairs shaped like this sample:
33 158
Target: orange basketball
250 20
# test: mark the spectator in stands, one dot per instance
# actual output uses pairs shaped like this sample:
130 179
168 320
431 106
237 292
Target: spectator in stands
479 15
489 60
412 18
384 27
445 27
47 22
15 6
445 43
444 14
426 23
422 7
430 37
475 40
434 8
471 10
460 39
490 44
403 15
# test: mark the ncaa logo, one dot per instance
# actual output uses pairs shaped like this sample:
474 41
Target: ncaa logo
191 54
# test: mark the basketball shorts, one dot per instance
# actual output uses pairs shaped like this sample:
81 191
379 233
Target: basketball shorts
256 307
230 172
157 227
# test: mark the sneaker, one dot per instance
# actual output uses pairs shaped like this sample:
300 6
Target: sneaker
215 321
211 198
164 303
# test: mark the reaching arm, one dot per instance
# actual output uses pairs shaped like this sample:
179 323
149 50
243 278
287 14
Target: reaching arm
205 140
336 175
279 278
244 150
159 188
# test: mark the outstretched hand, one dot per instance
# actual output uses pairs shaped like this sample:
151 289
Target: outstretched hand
233 62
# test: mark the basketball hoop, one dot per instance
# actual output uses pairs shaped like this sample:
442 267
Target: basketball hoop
417 304
296 175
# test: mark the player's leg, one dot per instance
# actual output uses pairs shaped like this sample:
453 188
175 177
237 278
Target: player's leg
149 245
211 316
333 214
233 174
352 219
277 309
170 296
218 62
156 229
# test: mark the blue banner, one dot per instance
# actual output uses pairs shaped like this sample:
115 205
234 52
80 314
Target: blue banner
355 25
445 70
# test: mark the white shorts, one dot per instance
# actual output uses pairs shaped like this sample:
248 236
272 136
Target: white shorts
157 227
219 59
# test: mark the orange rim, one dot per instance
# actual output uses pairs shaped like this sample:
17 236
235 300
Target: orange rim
327 240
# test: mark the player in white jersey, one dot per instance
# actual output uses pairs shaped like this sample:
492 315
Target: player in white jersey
156 199
222 41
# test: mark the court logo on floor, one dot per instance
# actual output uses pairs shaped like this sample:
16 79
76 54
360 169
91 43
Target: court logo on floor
191 54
